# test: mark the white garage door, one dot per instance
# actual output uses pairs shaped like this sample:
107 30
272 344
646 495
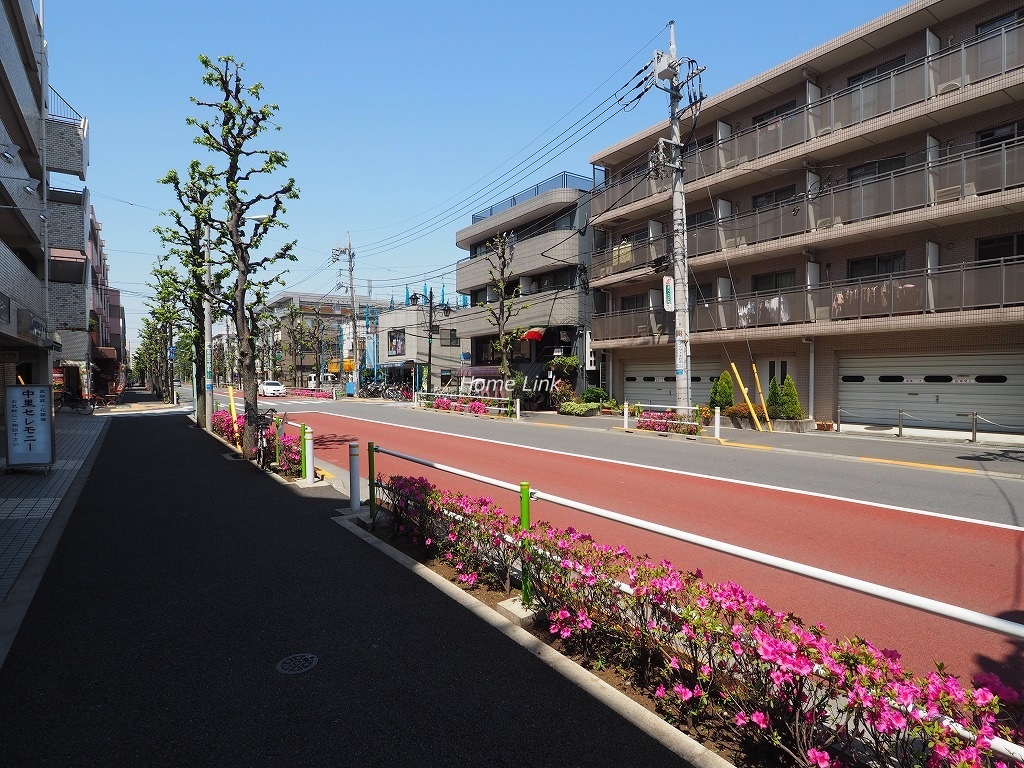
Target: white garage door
934 391
655 383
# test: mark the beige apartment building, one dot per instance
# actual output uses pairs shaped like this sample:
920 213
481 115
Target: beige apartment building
854 218
547 280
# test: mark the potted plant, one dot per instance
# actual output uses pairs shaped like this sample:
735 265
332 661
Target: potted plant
825 425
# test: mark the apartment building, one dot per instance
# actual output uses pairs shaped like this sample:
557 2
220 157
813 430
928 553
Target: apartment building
546 227
854 218
312 333
57 308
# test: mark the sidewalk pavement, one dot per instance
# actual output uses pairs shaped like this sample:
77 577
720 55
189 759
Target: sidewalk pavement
181 608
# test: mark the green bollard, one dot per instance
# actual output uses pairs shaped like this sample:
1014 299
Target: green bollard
277 440
524 524
302 450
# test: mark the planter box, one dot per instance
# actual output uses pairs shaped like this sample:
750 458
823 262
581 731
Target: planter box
779 425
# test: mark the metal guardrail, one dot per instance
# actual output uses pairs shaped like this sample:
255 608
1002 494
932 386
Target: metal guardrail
500 405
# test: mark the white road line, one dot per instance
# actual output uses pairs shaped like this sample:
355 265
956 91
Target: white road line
747 483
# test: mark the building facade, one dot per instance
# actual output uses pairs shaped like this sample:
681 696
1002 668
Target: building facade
547 278
411 350
854 218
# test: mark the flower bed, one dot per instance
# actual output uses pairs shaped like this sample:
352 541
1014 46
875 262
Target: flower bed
461 405
714 656
666 422
317 393
290 464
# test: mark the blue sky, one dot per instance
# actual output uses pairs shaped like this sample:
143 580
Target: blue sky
400 119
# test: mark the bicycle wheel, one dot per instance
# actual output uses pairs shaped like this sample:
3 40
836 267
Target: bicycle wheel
85 405
58 403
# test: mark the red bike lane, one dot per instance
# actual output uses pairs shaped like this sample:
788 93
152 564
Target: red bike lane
970 565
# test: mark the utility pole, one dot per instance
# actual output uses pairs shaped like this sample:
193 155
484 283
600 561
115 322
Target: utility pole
337 253
208 331
666 67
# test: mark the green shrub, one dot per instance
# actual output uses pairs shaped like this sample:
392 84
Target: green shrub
791 400
721 392
742 411
578 409
594 395
774 399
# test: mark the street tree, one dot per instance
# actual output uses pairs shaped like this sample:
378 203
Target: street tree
188 238
500 313
239 117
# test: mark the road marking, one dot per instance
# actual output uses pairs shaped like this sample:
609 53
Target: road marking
684 473
919 465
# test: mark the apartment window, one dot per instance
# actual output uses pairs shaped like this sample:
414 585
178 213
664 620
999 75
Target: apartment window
1002 247
877 168
699 144
873 266
881 69
694 220
776 281
449 337
446 376
639 301
1000 134
1002 21
774 197
773 114
701 294
478 297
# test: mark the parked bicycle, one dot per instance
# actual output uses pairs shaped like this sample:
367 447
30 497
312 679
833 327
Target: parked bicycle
73 402
373 389
396 392
265 453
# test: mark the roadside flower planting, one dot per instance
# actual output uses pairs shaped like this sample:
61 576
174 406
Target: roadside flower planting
713 657
666 421
461 405
290 464
316 393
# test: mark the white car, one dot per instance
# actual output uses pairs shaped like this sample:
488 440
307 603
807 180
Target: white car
271 389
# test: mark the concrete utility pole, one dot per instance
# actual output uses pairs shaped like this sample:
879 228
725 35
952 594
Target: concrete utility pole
352 294
666 67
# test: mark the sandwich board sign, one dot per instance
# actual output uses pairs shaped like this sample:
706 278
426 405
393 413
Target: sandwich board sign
30 428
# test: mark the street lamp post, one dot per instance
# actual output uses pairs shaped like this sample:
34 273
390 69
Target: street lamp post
432 308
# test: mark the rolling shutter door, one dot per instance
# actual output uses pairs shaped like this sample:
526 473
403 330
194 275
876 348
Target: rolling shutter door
936 391
655 383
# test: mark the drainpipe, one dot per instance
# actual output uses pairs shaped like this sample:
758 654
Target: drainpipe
810 377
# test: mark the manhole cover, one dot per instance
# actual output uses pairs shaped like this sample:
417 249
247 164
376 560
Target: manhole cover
297 663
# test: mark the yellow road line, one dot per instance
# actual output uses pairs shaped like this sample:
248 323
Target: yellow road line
747 445
919 465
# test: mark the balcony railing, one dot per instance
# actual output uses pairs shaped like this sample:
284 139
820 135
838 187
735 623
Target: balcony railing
975 60
979 172
563 180
950 289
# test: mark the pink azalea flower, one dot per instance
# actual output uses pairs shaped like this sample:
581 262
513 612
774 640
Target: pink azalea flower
741 719
760 718
819 757
660 692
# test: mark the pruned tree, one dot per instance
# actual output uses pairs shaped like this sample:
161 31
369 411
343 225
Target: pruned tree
500 313
240 117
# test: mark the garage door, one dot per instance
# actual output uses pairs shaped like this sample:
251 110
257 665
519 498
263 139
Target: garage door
934 391
655 383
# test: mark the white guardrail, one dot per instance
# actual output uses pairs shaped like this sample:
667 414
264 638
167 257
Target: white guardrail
503 406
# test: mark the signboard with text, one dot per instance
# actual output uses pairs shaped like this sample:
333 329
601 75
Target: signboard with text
30 430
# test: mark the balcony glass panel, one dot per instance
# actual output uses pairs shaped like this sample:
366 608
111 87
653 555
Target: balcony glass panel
909 85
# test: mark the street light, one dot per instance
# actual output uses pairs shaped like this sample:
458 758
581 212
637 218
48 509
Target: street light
432 308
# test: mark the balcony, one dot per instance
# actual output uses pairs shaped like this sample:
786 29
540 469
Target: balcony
946 72
540 253
969 175
957 288
563 180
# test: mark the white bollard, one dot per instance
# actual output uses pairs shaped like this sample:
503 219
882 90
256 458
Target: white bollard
353 477
517 409
307 446
718 422
625 415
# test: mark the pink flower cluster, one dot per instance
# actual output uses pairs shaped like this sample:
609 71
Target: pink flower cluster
666 422
704 647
